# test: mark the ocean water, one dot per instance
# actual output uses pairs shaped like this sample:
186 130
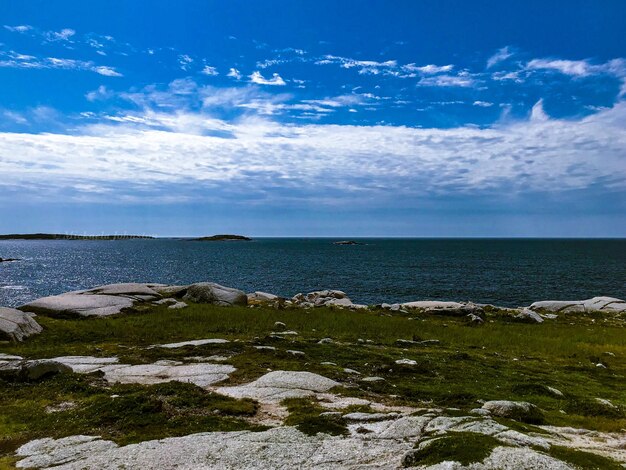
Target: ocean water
504 272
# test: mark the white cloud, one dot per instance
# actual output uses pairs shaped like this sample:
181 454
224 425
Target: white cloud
18 29
257 78
151 149
234 73
483 104
578 68
63 35
16 60
184 61
428 69
107 71
447 81
500 56
537 114
208 70
101 93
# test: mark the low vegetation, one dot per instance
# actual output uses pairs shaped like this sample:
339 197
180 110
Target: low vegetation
462 447
553 365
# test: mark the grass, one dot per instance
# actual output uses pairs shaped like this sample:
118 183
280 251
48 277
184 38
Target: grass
305 414
584 460
500 360
123 413
462 447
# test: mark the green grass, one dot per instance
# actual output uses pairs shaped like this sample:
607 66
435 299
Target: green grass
123 413
305 415
584 460
462 447
500 360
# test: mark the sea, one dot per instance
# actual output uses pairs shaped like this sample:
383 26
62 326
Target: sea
507 272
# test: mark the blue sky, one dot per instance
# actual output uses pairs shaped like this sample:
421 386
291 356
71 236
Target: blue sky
330 118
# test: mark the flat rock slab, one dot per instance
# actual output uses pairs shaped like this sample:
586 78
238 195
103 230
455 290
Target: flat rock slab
196 342
602 304
279 385
79 305
277 448
16 325
129 289
201 374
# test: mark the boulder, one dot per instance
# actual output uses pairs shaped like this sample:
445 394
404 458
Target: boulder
528 315
132 289
16 325
440 307
517 410
276 386
262 297
31 370
79 305
211 293
609 304
171 291
595 304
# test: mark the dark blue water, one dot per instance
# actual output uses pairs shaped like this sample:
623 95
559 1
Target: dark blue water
506 272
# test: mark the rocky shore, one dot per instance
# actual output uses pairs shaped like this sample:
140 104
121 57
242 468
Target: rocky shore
315 395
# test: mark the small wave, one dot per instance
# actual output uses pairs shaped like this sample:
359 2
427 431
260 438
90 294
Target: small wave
14 287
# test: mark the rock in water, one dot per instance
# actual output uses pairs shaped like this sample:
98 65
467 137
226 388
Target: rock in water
211 293
16 325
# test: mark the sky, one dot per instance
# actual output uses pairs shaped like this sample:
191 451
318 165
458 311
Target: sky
329 118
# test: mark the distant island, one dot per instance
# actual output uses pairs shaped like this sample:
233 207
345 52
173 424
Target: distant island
57 236
222 238
348 242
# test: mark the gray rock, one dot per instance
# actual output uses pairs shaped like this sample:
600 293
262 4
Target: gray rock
195 342
279 448
475 319
131 289
528 315
440 307
602 304
211 293
276 386
177 306
406 362
31 370
372 379
518 410
259 297
79 305
201 374
16 325
171 291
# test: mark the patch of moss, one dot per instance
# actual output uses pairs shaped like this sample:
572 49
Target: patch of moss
462 447
584 460
124 413
587 407
305 415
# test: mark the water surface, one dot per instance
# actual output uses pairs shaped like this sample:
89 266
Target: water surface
506 272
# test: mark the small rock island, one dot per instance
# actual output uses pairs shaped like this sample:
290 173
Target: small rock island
348 242
222 238
58 236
